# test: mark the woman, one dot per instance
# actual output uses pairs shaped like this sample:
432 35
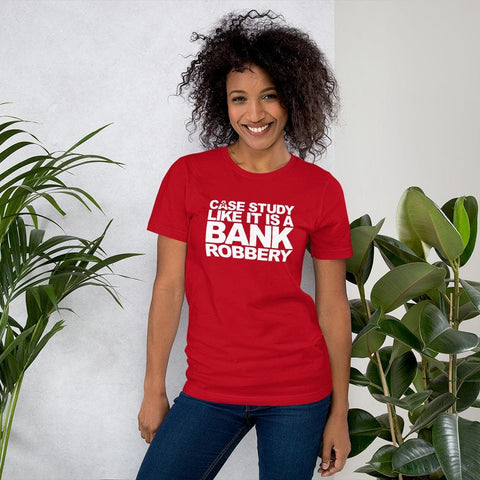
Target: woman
233 225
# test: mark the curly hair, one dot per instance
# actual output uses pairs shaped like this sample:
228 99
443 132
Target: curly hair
303 78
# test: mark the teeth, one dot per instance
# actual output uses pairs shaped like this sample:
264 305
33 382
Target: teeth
258 129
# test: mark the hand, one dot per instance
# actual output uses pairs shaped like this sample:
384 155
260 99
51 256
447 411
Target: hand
152 412
336 445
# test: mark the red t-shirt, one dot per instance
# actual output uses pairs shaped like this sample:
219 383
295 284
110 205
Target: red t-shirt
253 335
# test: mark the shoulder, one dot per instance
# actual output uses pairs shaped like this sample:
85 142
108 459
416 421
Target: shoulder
202 159
194 164
314 175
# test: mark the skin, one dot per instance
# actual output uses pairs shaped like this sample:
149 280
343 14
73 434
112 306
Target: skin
333 313
253 103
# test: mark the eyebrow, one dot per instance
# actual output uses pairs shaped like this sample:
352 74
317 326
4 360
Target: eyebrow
243 91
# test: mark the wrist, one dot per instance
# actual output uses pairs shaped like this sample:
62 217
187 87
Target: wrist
154 387
338 409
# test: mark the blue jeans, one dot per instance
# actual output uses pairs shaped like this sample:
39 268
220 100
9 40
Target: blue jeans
196 438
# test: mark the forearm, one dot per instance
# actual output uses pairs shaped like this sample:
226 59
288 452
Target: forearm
337 333
163 323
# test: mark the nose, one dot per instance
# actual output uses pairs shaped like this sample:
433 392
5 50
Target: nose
255 112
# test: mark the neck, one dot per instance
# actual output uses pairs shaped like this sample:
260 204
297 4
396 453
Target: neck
259 161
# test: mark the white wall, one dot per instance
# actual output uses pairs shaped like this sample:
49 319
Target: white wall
74 66
409 73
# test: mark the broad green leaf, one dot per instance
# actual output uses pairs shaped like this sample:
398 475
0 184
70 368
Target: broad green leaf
363 428
446 440
397 330
432 410
382 460
405 282
467 392
394 252
363 221
461 220
358 378
409 402
369 470
360 264
469 448
415 457
385 432
437 335
468 372
407 233
472 293
369 339
358 315
471 207
399 372
430 225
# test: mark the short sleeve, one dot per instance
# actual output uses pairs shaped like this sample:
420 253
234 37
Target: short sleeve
331 237
169 215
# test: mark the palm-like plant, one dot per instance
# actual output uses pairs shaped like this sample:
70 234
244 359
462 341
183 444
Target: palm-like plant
431 369
37 270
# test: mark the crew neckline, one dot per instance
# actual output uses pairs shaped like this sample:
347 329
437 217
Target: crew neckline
259 175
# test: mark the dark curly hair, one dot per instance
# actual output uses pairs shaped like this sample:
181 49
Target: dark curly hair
304 81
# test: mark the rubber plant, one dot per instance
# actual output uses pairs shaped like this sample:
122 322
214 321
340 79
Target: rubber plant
37 270
421 361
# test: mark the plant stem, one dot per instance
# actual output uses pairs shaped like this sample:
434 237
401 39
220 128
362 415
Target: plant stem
361 291
425 377
6 428
454 323
392 416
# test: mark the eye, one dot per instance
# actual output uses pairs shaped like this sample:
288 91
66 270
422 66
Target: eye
238 99
270 96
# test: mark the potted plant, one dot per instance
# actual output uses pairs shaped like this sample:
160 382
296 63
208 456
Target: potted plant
422 363
35 269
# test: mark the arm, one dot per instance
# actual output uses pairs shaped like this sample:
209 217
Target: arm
163 319
334 317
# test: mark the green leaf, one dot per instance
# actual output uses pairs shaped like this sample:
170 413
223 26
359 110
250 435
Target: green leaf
467 392
382 460
431 225
360 264
394 252
432 411
446 440
472 293
363 428
358 316
469 369
369 339
397 330
471 207
405 282
84 139
385 431
407 233
369 470
415 457
437 335
399 372
409 402
363 221
358 378
469 447
461 220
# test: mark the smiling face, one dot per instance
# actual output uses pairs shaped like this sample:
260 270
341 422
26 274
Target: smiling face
254 109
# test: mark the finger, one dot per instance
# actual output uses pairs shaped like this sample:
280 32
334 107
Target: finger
327 456
334 466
